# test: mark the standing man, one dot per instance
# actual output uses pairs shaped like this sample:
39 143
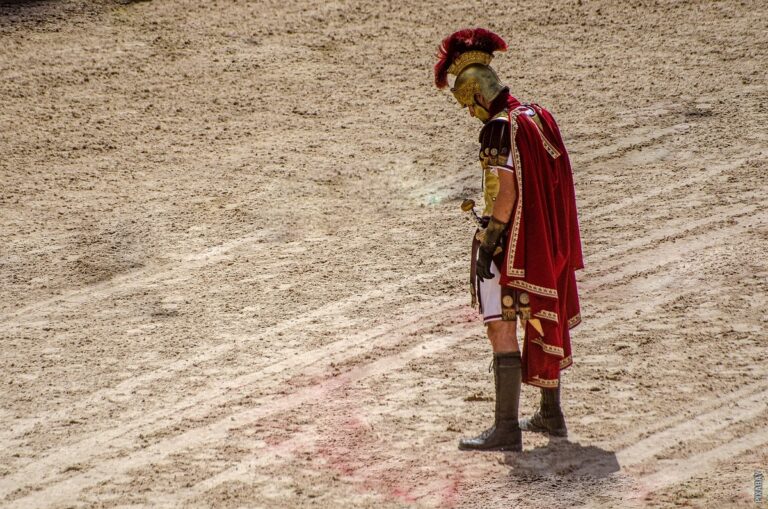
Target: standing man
524 259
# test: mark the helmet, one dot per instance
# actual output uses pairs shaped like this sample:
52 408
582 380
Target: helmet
466 55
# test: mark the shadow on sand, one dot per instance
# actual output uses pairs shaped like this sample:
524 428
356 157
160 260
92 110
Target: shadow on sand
563 459
557 474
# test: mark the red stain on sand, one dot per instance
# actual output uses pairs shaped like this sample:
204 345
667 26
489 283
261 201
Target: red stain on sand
354 452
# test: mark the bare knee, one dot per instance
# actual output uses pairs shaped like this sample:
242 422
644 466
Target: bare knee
503 336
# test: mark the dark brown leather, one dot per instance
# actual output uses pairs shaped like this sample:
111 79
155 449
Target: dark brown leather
495 141
549 418
505 434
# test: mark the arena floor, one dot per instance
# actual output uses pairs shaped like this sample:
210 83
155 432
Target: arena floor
233 265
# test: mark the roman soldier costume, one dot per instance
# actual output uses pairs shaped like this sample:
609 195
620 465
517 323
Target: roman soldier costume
535 254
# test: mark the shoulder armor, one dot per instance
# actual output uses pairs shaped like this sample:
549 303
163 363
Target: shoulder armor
495 143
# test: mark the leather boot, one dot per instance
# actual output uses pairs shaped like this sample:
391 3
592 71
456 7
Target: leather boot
549 418
505 433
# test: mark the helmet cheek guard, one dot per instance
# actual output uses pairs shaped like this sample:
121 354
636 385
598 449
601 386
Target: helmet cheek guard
473 80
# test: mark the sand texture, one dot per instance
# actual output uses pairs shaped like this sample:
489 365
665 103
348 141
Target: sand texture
233 267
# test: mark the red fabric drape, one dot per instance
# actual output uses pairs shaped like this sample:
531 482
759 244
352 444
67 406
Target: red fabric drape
543 248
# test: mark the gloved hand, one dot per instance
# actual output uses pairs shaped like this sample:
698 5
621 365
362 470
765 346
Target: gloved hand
488 247
483 264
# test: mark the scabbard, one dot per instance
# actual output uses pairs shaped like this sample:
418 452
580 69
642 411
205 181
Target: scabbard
472 271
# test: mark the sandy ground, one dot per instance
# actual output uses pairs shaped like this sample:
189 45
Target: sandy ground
233 265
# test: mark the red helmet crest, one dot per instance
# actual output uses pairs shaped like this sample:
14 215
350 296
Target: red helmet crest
468 39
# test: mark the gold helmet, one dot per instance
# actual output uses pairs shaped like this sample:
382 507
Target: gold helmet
466 55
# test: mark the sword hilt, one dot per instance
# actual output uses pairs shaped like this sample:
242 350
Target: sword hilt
468 205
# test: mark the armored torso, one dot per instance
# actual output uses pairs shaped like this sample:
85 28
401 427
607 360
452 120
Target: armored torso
494 153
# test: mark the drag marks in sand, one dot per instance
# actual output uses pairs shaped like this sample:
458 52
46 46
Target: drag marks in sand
45 471
359 397
67 490
265 407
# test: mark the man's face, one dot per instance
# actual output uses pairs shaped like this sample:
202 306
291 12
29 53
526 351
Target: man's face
477 110
467 98
466 90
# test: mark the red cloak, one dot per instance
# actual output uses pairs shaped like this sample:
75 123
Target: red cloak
543 247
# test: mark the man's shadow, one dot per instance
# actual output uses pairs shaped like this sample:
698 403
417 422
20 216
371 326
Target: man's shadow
562 458
563 474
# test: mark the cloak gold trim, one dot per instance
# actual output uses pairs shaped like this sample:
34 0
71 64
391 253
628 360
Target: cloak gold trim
543 382
538 290
552 350
547 315
548 146
515 231
574 321
536 324
551 150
